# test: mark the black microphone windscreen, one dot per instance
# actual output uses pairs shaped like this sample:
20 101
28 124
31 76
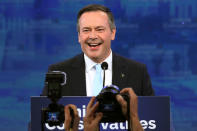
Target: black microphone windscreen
104 66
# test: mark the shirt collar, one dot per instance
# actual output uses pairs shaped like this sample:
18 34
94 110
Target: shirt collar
90 63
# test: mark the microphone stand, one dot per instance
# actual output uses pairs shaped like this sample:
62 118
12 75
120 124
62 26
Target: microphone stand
104 78
104 66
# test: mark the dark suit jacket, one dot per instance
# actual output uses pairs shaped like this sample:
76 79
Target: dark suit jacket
125 73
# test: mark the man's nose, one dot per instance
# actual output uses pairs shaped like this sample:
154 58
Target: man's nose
93 35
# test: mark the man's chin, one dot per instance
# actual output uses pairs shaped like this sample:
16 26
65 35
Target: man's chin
94 57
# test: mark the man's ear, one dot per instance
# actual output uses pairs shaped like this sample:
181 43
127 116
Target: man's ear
79 39
113 34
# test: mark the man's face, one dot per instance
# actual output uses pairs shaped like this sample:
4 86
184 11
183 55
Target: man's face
95 35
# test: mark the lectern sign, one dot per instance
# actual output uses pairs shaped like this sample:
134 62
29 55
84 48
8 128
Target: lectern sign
154 113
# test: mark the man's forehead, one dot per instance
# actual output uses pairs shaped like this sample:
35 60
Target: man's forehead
94 19
98 12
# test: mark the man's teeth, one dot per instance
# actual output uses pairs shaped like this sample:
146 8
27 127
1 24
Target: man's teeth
94 45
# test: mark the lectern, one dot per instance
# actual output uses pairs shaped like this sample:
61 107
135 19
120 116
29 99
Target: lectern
154 113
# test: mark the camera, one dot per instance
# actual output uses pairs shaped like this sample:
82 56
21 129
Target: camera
54 113
109 106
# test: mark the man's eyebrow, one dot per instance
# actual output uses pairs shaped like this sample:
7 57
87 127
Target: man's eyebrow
100 27
86 28
97 27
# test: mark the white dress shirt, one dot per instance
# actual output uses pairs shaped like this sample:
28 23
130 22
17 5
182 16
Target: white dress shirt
90 73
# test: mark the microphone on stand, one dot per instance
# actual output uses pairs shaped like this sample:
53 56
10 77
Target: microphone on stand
104 66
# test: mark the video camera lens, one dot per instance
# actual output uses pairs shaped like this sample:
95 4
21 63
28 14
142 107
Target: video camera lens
53 115
109 106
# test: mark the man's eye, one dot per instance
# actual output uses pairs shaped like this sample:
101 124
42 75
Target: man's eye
100 30
86 30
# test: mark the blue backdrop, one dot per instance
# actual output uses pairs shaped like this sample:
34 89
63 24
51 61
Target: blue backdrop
36 33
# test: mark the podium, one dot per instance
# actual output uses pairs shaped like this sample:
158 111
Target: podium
154 113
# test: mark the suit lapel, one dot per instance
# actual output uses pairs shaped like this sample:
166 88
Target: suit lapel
119 72
79 75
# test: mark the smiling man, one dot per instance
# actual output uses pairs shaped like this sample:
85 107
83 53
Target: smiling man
95 35
96 29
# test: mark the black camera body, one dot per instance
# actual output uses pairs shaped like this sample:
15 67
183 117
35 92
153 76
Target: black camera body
109 106
54 113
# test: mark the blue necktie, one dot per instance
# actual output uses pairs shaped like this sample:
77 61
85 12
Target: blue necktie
97 83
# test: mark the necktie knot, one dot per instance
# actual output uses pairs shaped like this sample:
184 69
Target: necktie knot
98 68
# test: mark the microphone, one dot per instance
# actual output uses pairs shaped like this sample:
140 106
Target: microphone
104 66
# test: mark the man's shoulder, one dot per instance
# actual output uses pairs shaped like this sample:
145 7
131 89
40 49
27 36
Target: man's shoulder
71 62
127 61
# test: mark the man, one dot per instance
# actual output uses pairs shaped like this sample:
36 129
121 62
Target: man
96 30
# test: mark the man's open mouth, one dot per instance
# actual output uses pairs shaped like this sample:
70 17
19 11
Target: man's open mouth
94 44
